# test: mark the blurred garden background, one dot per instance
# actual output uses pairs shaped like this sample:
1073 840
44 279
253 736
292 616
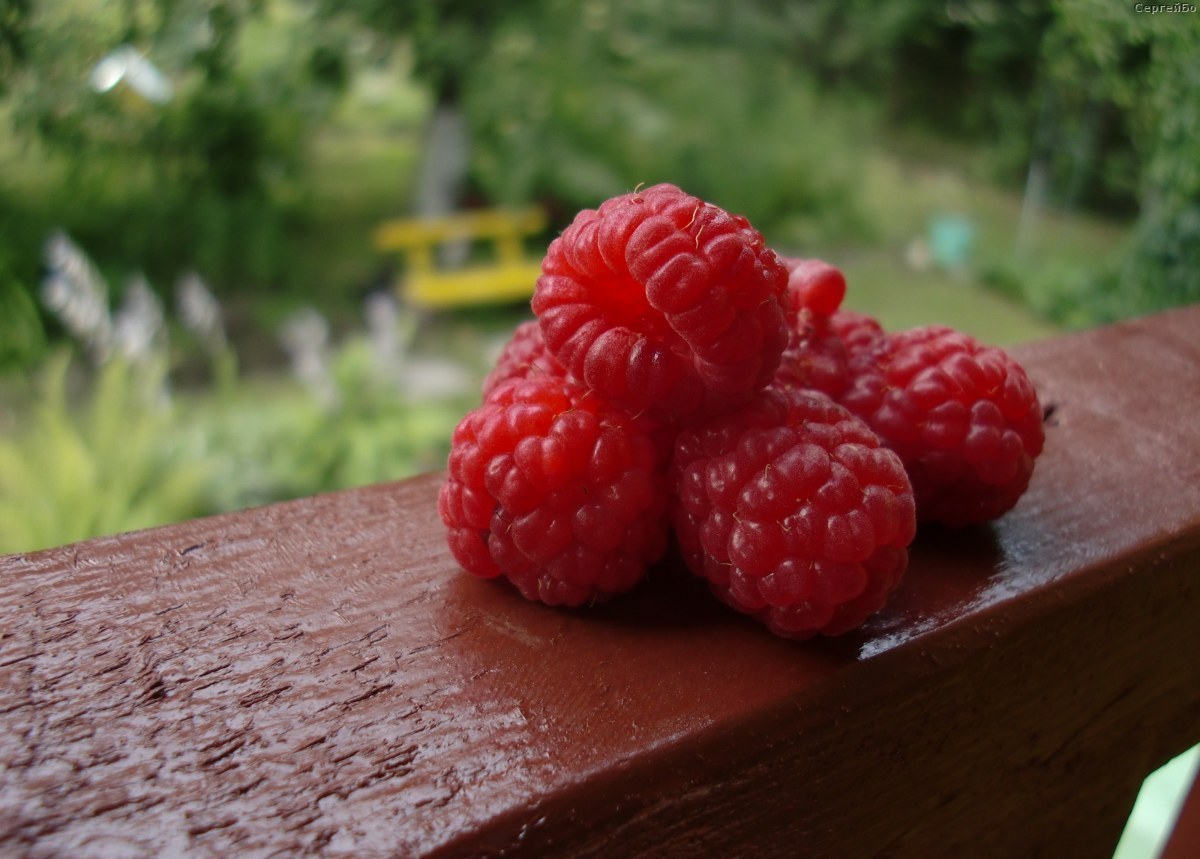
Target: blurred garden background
194 318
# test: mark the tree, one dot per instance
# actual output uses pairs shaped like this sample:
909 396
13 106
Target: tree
1146 69
447 38
14 20
567 103
211 160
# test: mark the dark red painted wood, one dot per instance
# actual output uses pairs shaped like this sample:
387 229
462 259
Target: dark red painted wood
1184 840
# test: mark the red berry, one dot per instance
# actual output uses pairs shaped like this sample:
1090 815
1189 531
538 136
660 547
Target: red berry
814 285
793 512
963 417
816 356
816 360
558 492
664 304
861 334
524 355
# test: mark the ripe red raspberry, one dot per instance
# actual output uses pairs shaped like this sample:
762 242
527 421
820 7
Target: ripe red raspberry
664 304
816 357
963 417
524 355
563 495
814 286
815 360
860 333
793 512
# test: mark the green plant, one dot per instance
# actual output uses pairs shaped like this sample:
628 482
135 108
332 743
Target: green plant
270 442
22 338
105 448
119 462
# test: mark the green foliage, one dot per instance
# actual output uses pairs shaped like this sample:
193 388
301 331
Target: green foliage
963 69
572 110
1141 74
1102 98
126 458
768 109
281 443
118 463
1120 93
22 338
1163 268
14 16
449 34
219 162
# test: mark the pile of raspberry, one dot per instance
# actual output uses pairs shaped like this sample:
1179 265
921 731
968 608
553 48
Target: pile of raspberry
682 381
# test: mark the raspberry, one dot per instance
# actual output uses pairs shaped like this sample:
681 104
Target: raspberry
815 359
793 512
825 353
816 356
963 417
861 334
524 355
664 304
556 491
814 285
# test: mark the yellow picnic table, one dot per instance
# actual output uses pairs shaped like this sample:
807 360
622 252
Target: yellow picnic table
508 275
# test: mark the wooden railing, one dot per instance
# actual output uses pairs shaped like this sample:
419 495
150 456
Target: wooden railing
318 678
508 274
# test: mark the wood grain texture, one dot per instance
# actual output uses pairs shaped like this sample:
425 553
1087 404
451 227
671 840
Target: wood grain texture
318 677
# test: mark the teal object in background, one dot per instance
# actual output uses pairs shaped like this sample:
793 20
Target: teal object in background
951 238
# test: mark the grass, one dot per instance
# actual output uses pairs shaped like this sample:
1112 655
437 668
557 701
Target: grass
882 284
363 167
359 178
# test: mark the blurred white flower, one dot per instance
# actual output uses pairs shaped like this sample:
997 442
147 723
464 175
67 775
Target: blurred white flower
126 64
390 334
305 337
138 330
200 312
74 291
433 378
